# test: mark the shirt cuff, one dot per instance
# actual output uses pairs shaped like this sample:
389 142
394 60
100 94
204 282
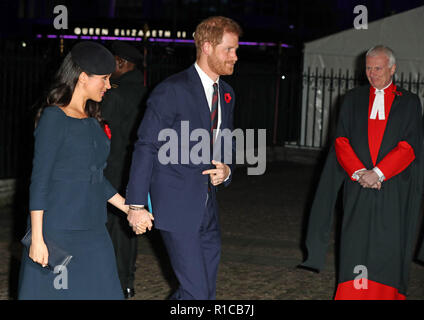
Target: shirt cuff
380 174
228 176
355 174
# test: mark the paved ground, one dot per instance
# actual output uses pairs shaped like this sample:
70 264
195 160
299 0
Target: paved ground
262 221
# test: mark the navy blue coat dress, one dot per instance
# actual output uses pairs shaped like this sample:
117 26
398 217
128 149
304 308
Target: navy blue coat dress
67 182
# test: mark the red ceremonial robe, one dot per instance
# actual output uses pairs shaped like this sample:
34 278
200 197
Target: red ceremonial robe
393 163
378 226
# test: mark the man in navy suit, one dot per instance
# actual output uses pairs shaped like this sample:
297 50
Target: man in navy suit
183 191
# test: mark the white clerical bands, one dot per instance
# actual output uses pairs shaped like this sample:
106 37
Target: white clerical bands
378 106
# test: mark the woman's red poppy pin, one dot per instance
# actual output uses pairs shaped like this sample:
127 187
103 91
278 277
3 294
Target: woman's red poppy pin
107 131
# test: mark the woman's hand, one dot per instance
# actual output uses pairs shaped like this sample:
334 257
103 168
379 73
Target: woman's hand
140 220
119 202
38 252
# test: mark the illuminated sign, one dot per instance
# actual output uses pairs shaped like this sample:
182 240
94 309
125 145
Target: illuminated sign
154 35
181 41
117 32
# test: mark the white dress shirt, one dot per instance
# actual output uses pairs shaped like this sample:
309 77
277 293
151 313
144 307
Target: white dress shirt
208 87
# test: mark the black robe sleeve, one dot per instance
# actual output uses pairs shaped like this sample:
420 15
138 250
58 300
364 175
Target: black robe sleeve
323 206
322 212
420 255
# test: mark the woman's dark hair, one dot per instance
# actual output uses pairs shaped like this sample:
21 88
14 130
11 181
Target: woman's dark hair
62 89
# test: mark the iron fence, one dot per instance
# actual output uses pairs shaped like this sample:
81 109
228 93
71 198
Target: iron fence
322 94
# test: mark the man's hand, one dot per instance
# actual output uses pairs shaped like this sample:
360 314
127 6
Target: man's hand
369 179
219 174
140 220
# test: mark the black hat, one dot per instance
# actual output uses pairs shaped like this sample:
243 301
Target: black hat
94 58
126 51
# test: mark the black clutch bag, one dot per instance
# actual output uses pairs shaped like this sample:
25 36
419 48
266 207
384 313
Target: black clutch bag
57 256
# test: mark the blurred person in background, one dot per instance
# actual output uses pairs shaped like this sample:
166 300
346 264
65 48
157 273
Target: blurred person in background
121 108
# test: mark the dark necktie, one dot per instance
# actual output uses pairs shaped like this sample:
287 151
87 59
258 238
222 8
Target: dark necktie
214 119
214 111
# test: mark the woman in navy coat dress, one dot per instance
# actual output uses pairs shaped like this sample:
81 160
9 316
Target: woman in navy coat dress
68 192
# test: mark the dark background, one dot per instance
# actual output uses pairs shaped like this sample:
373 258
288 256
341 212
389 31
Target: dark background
264 99
294 21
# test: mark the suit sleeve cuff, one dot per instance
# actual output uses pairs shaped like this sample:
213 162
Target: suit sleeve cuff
228 177
380 174
355 174
110 191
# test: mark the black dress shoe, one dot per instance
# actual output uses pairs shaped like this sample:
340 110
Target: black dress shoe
129 293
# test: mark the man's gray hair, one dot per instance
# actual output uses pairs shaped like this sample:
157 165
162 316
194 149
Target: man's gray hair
378 49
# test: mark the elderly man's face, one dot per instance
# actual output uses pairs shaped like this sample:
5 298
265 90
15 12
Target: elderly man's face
378 72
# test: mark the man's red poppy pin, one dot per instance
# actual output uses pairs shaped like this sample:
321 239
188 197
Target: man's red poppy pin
227 97
398 93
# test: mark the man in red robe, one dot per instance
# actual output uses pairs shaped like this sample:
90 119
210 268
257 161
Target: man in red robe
377 154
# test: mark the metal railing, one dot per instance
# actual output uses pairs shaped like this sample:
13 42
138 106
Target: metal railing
322 94
22 80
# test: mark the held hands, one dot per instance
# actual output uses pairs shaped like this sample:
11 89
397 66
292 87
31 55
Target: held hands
218 175
140 220
38 253
369 179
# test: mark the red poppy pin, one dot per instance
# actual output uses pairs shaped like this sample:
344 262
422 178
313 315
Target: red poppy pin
398 93
227 97
107 131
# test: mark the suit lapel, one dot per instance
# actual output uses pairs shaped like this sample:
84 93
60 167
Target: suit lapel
224 106
200 98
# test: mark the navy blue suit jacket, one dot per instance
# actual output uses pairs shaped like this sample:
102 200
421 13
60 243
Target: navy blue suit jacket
178 191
